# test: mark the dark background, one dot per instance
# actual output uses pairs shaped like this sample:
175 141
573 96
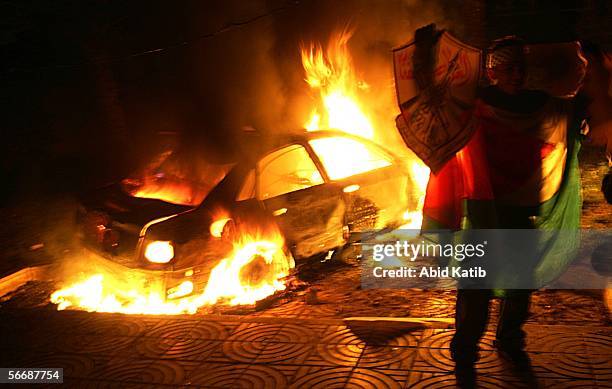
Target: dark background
91 89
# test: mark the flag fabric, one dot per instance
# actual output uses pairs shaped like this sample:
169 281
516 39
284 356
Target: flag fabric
436 90
508 174
515 159
497 161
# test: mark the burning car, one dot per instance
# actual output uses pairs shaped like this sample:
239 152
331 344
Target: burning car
284 199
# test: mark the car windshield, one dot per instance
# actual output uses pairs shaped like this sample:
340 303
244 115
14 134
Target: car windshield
176 179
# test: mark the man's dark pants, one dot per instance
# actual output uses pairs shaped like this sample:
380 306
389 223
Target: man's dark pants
472 310
471 317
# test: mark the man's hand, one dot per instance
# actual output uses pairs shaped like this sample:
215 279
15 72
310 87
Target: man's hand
425 39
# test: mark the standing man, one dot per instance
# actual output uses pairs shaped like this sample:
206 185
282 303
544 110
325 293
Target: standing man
521 170
517 169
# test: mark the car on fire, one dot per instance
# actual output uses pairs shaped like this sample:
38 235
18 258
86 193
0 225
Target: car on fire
176 220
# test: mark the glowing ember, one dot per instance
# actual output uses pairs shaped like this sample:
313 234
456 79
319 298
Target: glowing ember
254 270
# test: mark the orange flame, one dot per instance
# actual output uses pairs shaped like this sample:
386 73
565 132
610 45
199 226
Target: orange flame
254 270
420 176
331 74
258 263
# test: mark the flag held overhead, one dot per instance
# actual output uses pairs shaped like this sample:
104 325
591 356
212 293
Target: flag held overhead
436 78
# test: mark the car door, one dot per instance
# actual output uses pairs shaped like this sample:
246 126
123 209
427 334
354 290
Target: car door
375 186
309 211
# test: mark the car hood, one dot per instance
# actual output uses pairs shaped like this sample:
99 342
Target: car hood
126 209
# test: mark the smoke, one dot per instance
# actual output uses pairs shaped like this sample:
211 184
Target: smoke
253 76
83 110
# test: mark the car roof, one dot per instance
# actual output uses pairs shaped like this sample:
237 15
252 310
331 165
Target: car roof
255 145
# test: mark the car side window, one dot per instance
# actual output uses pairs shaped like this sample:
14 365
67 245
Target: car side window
287 170
344 157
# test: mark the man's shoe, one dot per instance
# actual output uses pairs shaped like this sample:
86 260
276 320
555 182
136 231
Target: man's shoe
521 364
514 354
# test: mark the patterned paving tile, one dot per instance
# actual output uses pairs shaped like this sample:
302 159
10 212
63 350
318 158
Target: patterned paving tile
165 372
212 375
111 325
598 341
213 330
142 371
148 347
254 332
216 375
603 384
123 369
572 384
246 352
296 333
316 329
385 357
601 367
98 350
576 366
422 380
94 345
286 353
439 338
569 384
438 360
386 334
377 379
548 339
100 384
335 354
176 329
196 350
264 377
340 334
74 365
433 307
321 377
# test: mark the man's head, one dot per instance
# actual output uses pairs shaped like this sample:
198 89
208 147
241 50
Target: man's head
506 64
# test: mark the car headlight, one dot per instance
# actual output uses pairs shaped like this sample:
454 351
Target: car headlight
159 251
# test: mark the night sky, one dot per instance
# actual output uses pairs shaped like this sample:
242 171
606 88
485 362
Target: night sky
91 89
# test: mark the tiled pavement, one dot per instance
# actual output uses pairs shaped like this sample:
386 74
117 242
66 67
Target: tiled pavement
112 350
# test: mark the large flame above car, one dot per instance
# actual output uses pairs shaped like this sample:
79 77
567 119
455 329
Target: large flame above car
332 74
343 98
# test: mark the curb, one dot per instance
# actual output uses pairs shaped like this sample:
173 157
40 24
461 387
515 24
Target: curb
14 280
